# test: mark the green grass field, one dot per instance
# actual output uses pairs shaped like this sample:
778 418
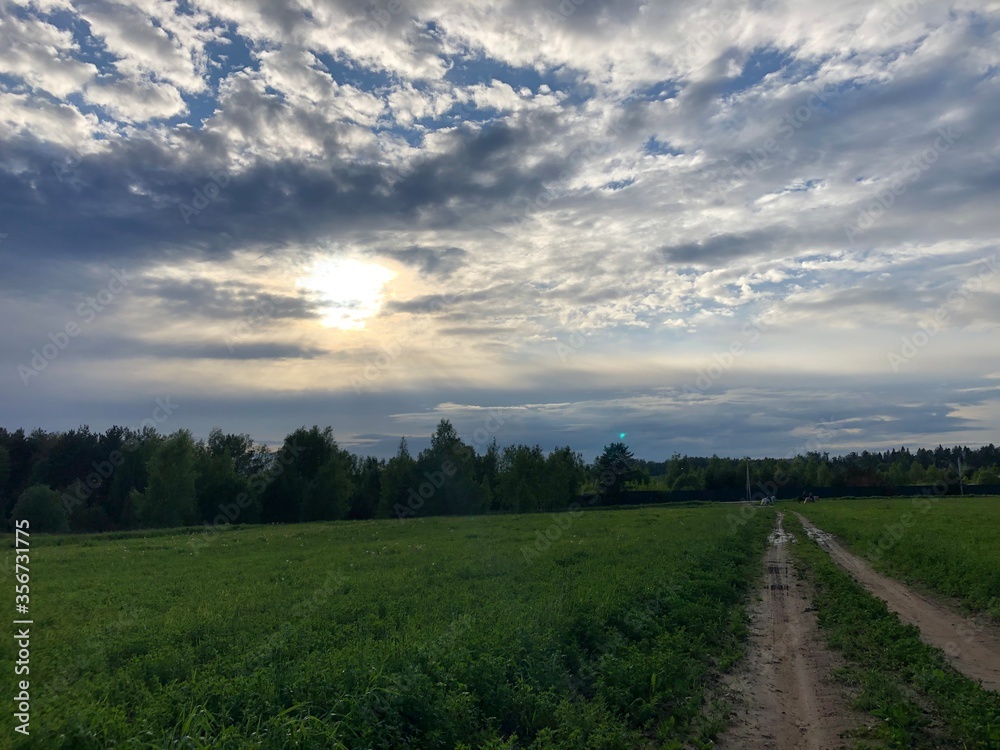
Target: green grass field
948 544
433 633
916 697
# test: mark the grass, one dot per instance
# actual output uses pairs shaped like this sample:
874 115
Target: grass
947 544
593 630
920 701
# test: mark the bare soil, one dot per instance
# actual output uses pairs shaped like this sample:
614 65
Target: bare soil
972 646
784 694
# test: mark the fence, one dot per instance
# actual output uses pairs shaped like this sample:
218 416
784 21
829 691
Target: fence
649 497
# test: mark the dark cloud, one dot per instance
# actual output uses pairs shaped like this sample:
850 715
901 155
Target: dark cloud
432 303
231 345
751 417
477 331
236 350
225 300
94 211
442 303
505 216
719 249
430 261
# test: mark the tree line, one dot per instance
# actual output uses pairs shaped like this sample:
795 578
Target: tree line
891 468
126 479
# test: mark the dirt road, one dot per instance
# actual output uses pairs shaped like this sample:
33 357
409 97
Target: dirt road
972 648
784 695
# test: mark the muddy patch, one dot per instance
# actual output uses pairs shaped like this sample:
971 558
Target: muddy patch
783 692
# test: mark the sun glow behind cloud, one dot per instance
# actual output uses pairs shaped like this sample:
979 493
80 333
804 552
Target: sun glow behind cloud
572 212
348 291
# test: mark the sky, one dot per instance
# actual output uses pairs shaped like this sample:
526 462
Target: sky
720 227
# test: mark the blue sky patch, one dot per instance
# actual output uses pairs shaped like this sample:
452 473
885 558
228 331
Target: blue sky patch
761 63
655 147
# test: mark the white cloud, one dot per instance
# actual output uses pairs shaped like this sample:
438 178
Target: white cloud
149 38
61 124
308 87
42 55
407 103
346 122
133 100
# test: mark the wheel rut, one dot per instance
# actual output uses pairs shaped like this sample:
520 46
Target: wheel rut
973 648
784 694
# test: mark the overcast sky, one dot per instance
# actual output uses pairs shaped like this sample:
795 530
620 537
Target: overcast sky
713 227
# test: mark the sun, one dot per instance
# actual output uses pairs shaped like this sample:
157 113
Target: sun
347 291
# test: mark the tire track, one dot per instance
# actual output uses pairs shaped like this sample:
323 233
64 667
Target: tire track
970 647
784 696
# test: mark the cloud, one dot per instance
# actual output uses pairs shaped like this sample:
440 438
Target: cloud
152 38
645 180
132 100
211 350
213 300
61 127
43 56
719 249
430 261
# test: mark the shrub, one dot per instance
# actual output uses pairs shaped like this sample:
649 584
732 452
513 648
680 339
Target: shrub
43 508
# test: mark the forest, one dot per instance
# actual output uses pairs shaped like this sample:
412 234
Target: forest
85 481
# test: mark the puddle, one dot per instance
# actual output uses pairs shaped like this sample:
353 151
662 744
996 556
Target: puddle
816 534
780 536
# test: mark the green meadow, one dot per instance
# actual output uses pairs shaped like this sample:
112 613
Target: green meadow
596 629
945 543
915 698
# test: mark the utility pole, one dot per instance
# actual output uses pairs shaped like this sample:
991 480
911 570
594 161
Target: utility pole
749 498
